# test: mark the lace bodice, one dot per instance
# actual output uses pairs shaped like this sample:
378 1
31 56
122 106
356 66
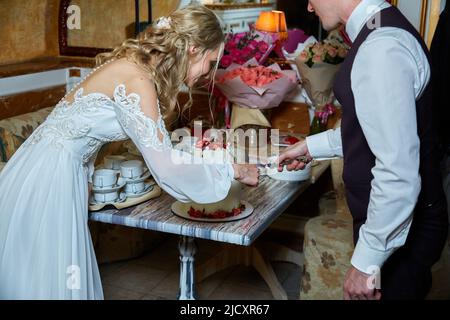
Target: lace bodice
91 120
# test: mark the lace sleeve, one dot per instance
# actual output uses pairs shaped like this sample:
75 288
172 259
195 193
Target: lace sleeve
178 173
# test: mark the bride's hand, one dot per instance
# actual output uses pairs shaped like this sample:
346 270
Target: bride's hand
246 173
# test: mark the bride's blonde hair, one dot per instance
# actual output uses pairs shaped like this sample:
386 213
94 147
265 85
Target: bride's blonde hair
168 42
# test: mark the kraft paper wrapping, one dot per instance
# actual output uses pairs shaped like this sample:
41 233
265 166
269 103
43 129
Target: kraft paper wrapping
318 81
244 116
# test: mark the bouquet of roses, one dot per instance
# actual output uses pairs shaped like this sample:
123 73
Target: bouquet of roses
318 65
254 76
243 46
254 86
322 53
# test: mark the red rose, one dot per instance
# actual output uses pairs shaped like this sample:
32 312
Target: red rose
263 47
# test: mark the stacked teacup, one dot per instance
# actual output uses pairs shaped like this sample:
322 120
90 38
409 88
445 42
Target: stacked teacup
105 186
113 162
134 174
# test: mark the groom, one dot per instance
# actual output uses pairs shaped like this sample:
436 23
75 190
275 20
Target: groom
389 145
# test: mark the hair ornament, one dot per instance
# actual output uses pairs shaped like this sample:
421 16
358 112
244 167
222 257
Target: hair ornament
163 23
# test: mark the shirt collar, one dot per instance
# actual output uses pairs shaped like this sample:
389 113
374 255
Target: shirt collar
362 13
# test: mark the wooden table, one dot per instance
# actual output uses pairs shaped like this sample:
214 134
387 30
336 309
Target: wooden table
269 200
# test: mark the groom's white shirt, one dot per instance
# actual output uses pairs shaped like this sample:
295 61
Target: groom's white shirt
389 73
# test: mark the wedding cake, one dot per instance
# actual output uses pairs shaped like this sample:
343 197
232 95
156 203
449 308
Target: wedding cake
214 152
229 207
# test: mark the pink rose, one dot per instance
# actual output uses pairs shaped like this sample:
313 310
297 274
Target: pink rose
332 52
304 56
263 47
230 46
317 59
318 51
239 36
342 53
226 61
235 53
253 44
247 51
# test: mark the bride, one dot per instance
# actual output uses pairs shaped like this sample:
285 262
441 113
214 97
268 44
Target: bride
44 187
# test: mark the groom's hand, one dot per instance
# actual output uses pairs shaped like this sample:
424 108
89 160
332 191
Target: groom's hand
290 154
356 286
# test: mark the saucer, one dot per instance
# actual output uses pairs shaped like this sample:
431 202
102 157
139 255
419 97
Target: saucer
143 177
102 166
122 198
147 189
119 185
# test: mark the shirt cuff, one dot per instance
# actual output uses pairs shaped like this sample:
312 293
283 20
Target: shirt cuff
366 258
319 145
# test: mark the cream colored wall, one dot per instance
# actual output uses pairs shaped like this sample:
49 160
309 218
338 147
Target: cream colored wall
106 23
28 29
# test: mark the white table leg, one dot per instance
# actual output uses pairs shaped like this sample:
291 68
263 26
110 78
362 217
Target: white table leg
187 248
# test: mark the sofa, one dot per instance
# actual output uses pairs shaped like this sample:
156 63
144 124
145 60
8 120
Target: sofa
111 242
328 248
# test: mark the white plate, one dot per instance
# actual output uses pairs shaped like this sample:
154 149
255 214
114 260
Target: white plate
118 186
181 209
122 198
300 175
148 188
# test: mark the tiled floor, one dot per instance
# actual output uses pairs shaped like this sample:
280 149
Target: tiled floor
155 276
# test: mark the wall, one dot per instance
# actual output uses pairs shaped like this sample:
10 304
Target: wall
412 10
29 29
106 24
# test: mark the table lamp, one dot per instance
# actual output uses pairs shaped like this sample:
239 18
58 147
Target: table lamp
273 22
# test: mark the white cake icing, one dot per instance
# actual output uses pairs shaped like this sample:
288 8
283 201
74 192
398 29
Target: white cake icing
215 154
231 201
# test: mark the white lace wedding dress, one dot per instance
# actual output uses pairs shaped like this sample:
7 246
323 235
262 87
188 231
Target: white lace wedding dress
46 250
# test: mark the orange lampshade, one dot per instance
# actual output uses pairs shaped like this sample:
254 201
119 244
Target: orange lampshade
271 21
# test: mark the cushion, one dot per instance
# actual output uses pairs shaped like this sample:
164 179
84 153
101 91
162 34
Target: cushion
9 143
327 248
14 131
131 147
